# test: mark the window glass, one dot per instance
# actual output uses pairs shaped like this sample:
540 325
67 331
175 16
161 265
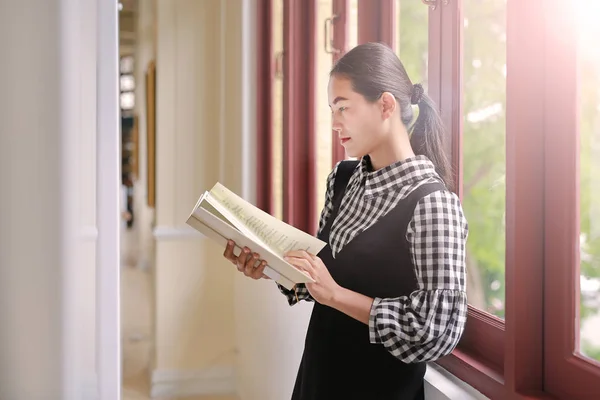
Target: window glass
277 104
484 151
588 15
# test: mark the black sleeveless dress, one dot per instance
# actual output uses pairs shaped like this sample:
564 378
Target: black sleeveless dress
339 362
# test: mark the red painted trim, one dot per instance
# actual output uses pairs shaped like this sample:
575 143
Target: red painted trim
484 335
485 379
475 373
483 338
566 374
377 21
341 9
264 100
451 90
387 22
299 114
524 198
368 21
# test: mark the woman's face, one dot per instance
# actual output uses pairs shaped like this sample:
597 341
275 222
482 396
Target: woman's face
360 125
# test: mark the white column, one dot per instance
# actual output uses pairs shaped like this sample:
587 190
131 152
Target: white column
32 227
48 204
108 162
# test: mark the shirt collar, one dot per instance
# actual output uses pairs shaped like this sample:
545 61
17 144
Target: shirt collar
396 175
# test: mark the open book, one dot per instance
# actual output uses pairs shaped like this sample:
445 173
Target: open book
220 215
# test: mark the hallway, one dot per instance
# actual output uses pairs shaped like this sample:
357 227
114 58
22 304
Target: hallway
136 329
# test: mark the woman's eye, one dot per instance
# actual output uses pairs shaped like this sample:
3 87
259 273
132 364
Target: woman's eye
342 109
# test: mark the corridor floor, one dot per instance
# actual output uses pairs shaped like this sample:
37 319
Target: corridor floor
136 325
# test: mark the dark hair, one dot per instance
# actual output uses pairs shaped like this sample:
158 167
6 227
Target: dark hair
373 68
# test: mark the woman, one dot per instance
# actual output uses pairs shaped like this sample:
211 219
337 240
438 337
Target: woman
389 287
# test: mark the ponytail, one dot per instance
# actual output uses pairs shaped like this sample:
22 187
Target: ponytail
374 68
427 135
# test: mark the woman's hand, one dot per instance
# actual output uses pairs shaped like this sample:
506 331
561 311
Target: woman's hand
324 289
247 262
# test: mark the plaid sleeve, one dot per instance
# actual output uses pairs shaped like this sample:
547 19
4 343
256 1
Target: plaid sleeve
428 324
300 292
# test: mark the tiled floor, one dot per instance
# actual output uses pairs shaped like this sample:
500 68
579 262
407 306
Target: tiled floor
136 325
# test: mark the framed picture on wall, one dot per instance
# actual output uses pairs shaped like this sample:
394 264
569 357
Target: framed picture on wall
151 131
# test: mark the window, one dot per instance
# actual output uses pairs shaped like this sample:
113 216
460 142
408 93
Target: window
587 14
572 104
484 151
412 44
277 109
324 137
518 87
266 107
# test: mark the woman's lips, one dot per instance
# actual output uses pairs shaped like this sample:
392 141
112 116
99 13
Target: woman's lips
344 140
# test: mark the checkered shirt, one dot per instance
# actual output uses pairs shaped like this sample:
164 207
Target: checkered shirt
428 323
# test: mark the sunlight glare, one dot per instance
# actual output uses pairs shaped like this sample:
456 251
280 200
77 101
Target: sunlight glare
587 15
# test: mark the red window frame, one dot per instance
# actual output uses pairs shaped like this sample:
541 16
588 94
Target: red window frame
567 374
341 9
299 114
265 76
480 358
531 354
299 126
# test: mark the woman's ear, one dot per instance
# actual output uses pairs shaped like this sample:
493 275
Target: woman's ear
388 105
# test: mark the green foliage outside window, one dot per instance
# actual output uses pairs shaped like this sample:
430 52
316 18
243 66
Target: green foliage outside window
484 148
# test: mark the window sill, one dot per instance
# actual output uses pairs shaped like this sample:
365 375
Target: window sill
442 385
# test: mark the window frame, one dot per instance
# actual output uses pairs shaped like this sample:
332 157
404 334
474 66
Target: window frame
341 31
299 114
479 357
502 359
265 77
478 352
567 374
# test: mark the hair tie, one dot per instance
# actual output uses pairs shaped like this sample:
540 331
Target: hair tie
417 93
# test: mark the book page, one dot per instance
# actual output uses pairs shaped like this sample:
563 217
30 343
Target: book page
277 236
219 232
231 218
216 222
208 207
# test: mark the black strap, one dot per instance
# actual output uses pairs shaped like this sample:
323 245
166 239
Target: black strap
342 176
407 206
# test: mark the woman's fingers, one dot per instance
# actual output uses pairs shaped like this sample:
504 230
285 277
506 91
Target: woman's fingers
243 258
228 253
247 262
302 264
251 264
258 272
304 255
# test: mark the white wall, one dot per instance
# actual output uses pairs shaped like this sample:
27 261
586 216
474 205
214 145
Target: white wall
48 204
194 293
269 333
216 331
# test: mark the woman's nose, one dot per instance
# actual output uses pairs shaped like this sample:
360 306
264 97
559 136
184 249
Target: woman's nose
335 125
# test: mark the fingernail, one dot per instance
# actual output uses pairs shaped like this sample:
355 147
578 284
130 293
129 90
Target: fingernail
246 250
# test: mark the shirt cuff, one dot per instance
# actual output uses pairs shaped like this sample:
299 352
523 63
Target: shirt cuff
374 337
